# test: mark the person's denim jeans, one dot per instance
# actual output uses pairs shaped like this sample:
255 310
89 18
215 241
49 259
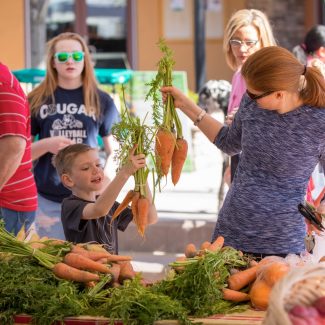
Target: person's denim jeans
14 220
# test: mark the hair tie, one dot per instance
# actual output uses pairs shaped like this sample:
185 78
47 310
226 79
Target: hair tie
305 69
303 46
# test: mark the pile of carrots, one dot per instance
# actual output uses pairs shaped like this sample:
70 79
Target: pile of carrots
84 263
252 284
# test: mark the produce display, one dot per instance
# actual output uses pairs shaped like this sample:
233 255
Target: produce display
72 280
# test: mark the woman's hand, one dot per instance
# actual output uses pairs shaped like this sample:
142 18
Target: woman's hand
180 100
230 117
55 144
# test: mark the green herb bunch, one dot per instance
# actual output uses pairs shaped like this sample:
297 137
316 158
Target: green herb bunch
135 304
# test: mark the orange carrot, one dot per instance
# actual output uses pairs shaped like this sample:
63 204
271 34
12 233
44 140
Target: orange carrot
234 295
84 263
178 159
36 244
164 148
93 255
127 272
205 245
114 258
90 284
217 244
115 270
142 218
134 207
240 279
123 204
190 250
64 271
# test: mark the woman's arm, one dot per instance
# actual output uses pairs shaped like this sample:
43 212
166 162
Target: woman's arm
207 124
52 145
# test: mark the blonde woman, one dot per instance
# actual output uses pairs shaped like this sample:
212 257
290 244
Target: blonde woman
67 107
247 31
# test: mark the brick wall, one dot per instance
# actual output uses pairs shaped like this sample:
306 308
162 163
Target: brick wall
286 17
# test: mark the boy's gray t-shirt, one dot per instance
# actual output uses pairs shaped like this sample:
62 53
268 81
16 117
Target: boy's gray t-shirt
99 230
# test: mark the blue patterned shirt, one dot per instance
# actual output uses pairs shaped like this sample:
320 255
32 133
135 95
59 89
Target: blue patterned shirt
278 154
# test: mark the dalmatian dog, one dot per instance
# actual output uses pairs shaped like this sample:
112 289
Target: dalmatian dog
214 97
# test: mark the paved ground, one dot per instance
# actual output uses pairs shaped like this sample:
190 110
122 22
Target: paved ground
187 213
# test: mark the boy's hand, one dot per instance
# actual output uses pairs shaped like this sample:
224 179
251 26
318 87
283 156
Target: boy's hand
135 162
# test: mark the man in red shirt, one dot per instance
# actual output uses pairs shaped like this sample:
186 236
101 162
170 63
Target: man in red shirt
18 194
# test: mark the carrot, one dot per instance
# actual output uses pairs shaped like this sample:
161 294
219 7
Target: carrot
234 295
205 245
190 250
178 159
127 272
64 271
142 218
36 244
164 148
217 244
84 263
93 255
95 248
123 204
114 258
134 207
115 270
240 279
90 284
260 294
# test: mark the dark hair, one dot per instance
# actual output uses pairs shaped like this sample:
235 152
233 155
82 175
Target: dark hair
314 39
64 159
274 68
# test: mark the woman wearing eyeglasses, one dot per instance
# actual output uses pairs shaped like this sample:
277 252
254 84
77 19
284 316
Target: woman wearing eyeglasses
247 31
280 131
67 107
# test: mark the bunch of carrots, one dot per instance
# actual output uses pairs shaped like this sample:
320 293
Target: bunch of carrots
67 261
170 146
130 132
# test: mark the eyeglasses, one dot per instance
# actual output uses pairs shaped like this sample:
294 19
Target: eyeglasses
255 97
238 43
62 57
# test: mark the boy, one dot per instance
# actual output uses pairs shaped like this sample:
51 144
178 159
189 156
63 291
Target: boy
86 217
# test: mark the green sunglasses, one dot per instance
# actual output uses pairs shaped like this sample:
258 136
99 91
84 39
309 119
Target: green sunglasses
62 57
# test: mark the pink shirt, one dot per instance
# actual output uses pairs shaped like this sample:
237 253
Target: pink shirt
237 91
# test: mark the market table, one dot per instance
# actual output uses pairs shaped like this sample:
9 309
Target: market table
249 317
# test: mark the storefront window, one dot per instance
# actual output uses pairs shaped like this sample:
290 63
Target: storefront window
60 17
106 25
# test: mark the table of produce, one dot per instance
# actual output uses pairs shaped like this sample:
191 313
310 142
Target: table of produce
57 282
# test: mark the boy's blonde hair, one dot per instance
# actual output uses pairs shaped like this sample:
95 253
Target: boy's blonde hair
242 18
65 158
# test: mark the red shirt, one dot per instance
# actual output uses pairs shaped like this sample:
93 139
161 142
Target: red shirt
19 193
